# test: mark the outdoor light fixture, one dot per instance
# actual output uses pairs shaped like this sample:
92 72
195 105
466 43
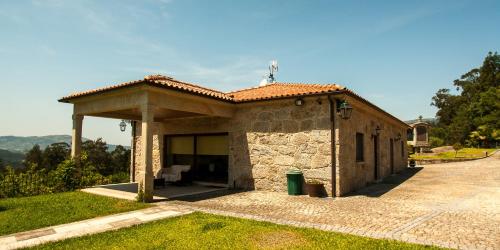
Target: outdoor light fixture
344 109
398 137
123 126
299 102
377 131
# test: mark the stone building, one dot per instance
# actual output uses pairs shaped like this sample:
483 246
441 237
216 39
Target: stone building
250 138
418 135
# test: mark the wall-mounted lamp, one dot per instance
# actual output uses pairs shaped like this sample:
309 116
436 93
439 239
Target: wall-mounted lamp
344 109
398 137
299 102
376 132
123 126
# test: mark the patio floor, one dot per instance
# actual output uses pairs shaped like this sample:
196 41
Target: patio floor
128 191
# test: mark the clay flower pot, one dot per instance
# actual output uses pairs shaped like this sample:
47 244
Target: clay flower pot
315 189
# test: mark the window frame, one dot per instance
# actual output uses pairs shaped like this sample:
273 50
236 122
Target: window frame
360 147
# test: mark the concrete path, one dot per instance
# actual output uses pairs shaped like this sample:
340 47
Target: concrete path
90 226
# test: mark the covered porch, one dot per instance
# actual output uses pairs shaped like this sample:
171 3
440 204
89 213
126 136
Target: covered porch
128 191
146 104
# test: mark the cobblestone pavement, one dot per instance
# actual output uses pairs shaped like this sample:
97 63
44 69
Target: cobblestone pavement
454 205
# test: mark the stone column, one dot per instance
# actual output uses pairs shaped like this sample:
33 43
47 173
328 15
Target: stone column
76 135
145 176
415 136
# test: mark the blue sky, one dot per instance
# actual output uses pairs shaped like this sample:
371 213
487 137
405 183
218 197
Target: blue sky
397 54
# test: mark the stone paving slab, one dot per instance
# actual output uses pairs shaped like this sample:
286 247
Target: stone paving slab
454 205
90 226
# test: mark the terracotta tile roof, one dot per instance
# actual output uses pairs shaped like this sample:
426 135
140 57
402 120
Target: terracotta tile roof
267 92
270 91
282 90
159 81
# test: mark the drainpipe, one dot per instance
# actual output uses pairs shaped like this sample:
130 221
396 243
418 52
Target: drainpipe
333 108
132 153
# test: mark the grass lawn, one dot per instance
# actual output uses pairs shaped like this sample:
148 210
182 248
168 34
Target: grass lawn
205 231
26 213
469 153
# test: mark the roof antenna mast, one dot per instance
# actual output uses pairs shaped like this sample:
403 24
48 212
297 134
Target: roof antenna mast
273 68
269 78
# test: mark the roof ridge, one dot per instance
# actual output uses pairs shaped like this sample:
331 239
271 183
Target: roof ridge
168 78
288 83
250 88
310 84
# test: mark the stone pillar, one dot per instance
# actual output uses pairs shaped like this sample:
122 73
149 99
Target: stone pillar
415 136
132 152
145 176
76 135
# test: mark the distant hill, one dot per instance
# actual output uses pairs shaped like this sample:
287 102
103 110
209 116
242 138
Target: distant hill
21 144
14 159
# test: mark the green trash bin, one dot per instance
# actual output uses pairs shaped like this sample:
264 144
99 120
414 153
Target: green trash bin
294 181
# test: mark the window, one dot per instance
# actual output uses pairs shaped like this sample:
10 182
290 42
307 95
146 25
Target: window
207 154
421 133
402 149
359 147
180 150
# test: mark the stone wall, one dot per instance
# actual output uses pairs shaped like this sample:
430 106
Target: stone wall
268 138
364 119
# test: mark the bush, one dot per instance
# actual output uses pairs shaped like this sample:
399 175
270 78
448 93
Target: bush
67 176
410 149
457 147
436 142
120 177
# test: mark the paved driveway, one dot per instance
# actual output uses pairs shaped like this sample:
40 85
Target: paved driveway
452 205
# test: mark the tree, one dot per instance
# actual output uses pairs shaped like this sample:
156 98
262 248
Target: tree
457 147
120 159
2 165
98 156
476 105
34 157
54 154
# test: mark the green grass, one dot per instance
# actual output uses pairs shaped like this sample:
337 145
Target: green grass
467 153
205 231
27 213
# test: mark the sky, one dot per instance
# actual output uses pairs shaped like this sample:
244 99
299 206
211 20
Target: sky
396 54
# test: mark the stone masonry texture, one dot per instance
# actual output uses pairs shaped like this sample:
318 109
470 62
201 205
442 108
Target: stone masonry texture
269 138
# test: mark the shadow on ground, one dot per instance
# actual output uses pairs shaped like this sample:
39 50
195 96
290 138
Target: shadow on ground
208 195
387 184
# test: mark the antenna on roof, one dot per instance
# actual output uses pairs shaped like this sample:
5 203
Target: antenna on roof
273 68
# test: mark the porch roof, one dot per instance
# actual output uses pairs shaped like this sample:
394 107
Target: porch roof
270 91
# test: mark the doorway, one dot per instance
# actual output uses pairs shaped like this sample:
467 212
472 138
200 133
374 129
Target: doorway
207 156
375 157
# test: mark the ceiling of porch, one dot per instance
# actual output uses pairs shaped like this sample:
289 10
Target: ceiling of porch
160 114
